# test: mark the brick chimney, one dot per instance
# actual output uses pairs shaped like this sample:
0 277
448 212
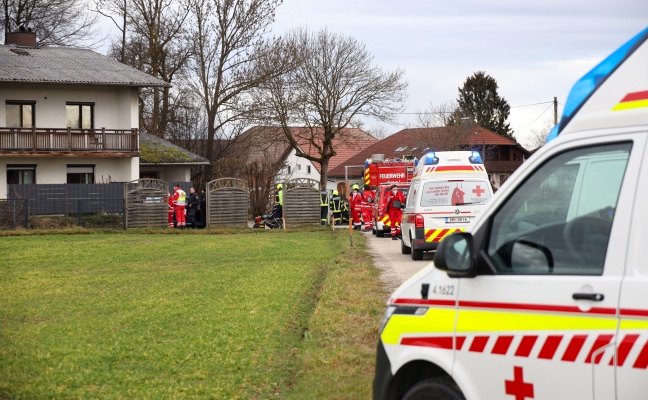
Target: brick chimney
21 38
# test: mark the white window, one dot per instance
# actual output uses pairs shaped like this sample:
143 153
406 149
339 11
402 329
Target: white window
308 169
559 220
20 114
21 174
298 167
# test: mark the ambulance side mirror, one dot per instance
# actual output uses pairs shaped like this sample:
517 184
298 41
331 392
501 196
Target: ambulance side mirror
455 255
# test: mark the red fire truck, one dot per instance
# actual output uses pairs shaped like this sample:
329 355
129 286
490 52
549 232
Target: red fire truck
380 173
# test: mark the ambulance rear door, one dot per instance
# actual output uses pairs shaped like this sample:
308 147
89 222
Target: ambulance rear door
540 318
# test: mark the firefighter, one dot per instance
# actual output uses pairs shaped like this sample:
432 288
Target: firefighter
367 207
336 208
179 201
278 208
324 206
355 201
395 213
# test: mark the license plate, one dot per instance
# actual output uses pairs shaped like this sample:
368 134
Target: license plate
450 220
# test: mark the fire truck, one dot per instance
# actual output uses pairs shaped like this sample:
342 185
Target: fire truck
379 174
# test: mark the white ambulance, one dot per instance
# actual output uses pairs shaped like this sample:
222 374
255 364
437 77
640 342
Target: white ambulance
547 297
448 190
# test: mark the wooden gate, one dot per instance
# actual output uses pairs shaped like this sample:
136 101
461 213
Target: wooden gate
227 202
146 203
301 202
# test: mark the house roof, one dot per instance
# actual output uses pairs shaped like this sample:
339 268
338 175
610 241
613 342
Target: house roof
346 144
157 151
408 141
68 66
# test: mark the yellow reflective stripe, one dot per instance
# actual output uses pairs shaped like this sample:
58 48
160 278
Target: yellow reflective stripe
627 324
367 176
436 320
490 321
628 105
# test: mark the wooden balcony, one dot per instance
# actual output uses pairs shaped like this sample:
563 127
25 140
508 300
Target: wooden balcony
67 140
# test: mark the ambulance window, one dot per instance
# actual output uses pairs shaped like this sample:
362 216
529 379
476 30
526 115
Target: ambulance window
559 220
411 195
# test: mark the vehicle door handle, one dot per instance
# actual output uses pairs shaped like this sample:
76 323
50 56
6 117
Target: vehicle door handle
588 296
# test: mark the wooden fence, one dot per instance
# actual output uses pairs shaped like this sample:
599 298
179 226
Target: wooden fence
227 202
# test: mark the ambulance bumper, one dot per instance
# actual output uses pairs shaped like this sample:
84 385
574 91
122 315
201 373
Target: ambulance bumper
383 375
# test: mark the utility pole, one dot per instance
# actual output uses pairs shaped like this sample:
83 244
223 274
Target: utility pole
555 110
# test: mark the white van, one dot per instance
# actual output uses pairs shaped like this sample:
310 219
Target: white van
447 192
547 296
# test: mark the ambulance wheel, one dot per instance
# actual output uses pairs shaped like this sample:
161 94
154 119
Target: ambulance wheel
405 249
417 254
439 388
380 233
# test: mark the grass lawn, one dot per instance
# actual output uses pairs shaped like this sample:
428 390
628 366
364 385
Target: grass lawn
260 314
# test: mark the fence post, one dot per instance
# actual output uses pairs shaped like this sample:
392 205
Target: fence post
26 213
14 214
124 213
79 212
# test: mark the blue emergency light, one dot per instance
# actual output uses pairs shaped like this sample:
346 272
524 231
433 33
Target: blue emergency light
591 81
431 159
475 158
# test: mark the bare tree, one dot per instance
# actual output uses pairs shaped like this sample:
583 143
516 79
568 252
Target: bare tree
227 46
334 82
55 22
538 137
439 131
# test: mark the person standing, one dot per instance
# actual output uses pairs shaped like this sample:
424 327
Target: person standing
395 211
336 208
179 201
193 201
324 206
203 209
367 207
171 212
278 212
355 202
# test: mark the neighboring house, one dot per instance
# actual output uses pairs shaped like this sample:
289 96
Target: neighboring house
501 156
161 159
68 115
269 142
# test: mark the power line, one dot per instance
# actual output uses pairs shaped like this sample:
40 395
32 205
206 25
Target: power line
452 112
547 109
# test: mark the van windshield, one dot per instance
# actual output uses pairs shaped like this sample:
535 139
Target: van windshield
455 193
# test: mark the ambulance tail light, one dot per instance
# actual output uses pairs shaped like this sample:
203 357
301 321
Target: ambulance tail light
419 221
475 158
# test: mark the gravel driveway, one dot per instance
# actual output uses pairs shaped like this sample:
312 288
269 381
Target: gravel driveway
396 267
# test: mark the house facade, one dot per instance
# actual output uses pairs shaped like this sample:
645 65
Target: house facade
67 116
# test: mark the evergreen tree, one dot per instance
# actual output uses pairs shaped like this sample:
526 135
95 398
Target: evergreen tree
478 100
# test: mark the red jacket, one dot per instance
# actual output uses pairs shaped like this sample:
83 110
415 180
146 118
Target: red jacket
355 200
367 196
391 198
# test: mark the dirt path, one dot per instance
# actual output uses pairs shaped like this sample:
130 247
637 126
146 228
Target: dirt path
396 267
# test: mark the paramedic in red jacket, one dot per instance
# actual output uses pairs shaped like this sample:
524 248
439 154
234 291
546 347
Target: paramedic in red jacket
395 213
355 202
179 200
367 207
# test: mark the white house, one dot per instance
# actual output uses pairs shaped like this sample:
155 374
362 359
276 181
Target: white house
67 115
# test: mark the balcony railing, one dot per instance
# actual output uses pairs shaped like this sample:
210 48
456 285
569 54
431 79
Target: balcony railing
67 139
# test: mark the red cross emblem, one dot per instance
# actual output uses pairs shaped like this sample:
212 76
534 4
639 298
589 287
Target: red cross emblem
478 191
517 387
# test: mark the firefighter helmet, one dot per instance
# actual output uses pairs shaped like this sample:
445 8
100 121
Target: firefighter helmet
355 187
279 186
335 193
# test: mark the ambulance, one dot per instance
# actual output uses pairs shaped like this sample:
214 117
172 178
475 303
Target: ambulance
447 192
547 296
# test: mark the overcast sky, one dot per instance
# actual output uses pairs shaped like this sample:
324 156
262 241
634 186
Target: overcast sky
534 49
